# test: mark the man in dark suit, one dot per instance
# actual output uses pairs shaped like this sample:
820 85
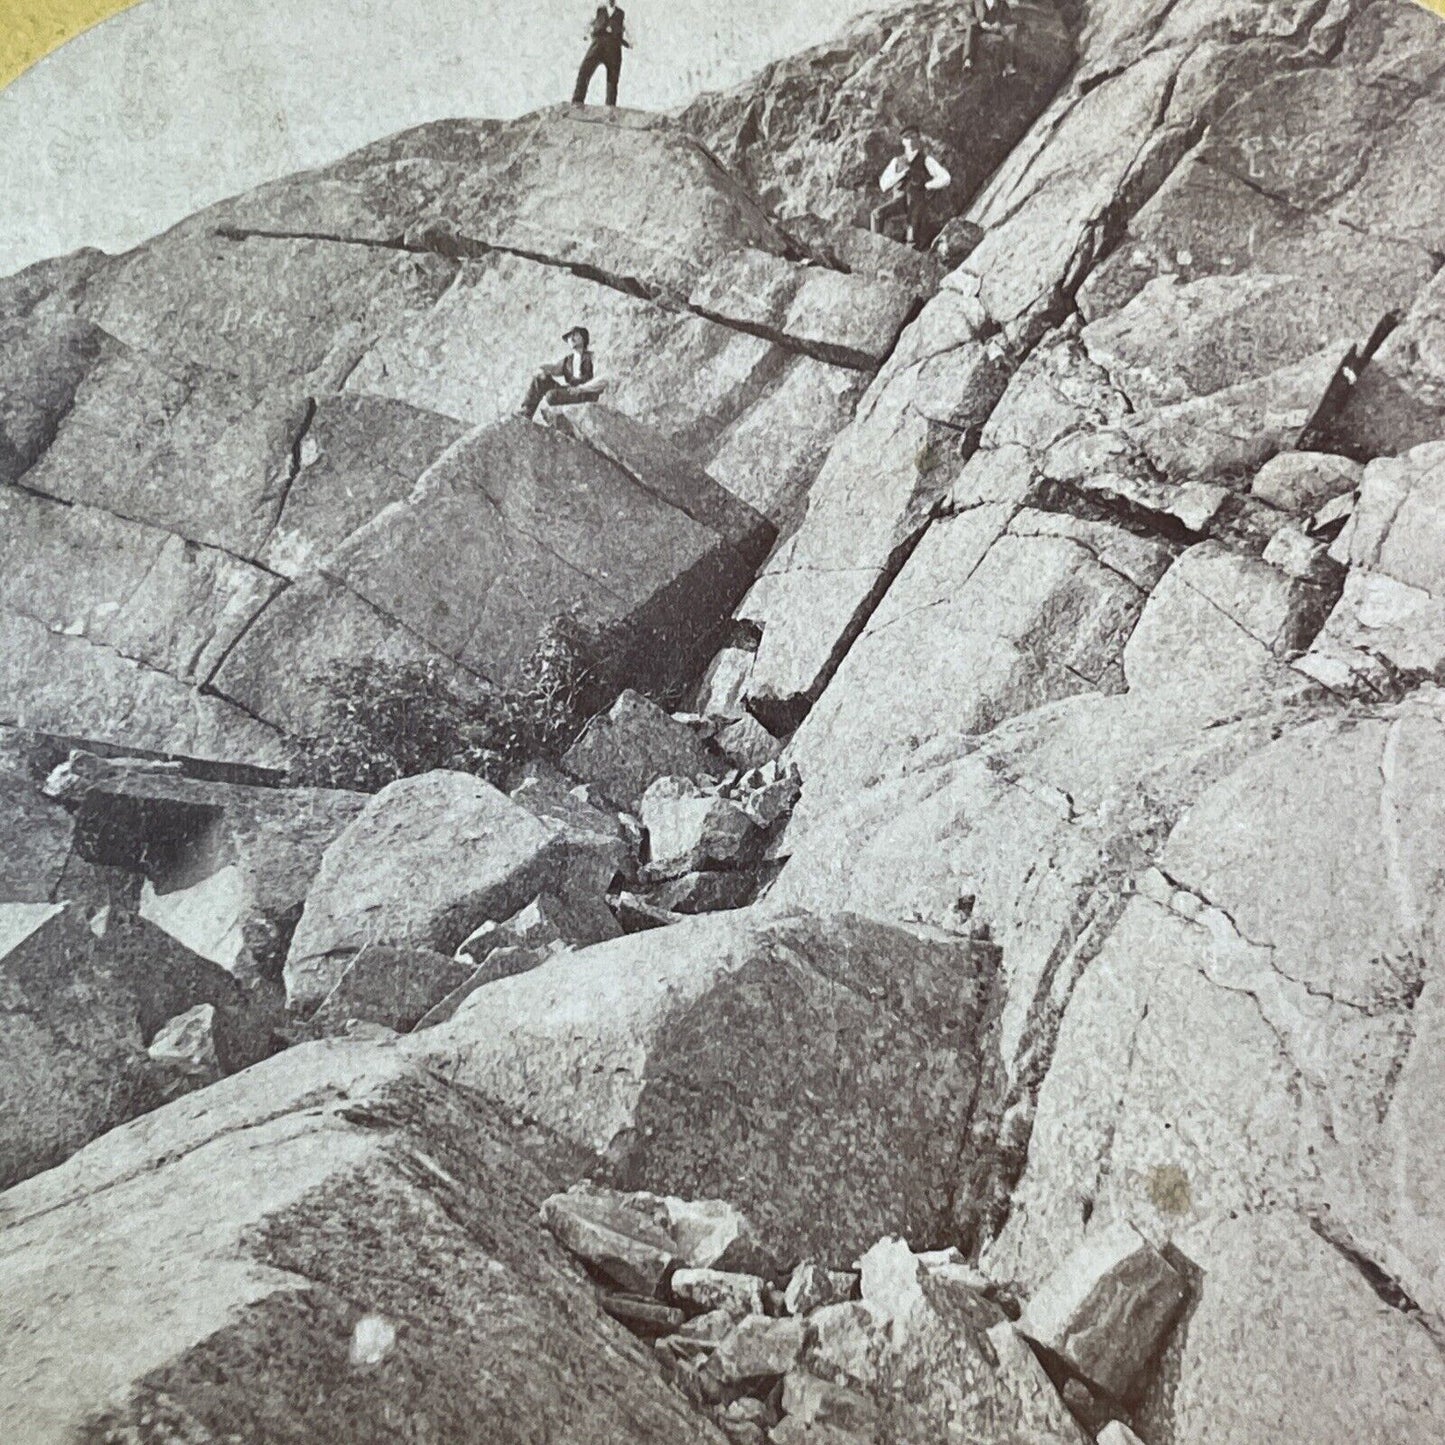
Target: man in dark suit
606 39
908 180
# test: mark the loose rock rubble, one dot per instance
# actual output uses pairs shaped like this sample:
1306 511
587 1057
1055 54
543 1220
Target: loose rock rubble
905 1345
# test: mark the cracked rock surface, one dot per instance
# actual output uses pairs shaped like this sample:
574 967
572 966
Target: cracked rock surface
1014 830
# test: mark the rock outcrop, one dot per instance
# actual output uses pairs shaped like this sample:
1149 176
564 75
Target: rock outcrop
812 133
227 435
1065 784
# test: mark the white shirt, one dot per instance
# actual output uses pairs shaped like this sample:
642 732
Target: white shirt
897 168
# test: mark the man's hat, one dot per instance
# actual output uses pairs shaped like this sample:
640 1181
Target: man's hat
578 331
911 130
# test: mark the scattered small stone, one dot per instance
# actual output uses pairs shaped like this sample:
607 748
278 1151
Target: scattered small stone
749 1409
678 1352
188 1043
715 1289
747 743
791 1432
1331 518
1107 1308
1116 1432
372 1341
713 1234
617 1240
696 722
812 1286
812 1402
891 1279
758 1348
725 684
690 830
637 914
364 1031
844 1340
638 1313
769 801
709 1329
711 892
1297 555
744 1432
623 751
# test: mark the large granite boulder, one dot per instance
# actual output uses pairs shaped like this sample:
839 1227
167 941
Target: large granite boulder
423 865
818 1073
80 999
518 524
310 1244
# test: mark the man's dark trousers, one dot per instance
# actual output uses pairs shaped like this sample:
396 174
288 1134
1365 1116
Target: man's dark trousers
599 54
909 205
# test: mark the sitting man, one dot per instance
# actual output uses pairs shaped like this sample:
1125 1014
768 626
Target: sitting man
908 179
568 380
995 16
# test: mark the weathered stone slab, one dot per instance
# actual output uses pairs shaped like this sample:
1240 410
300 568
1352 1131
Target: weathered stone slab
264 1317
67 685
227 866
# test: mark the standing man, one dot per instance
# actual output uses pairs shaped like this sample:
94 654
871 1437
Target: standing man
908 179
606 39
572 374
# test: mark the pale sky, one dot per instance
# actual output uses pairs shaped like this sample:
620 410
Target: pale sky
177 103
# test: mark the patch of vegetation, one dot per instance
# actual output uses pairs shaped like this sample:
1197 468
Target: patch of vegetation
382 721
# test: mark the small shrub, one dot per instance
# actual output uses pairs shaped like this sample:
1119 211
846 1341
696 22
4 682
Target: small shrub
383 721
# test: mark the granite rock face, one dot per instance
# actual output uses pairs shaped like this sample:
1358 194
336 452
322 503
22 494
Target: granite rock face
251 1274
216 432
1093 681
812 133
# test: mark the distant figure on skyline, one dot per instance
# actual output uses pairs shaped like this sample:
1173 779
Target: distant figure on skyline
606 39
573 379
908 179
